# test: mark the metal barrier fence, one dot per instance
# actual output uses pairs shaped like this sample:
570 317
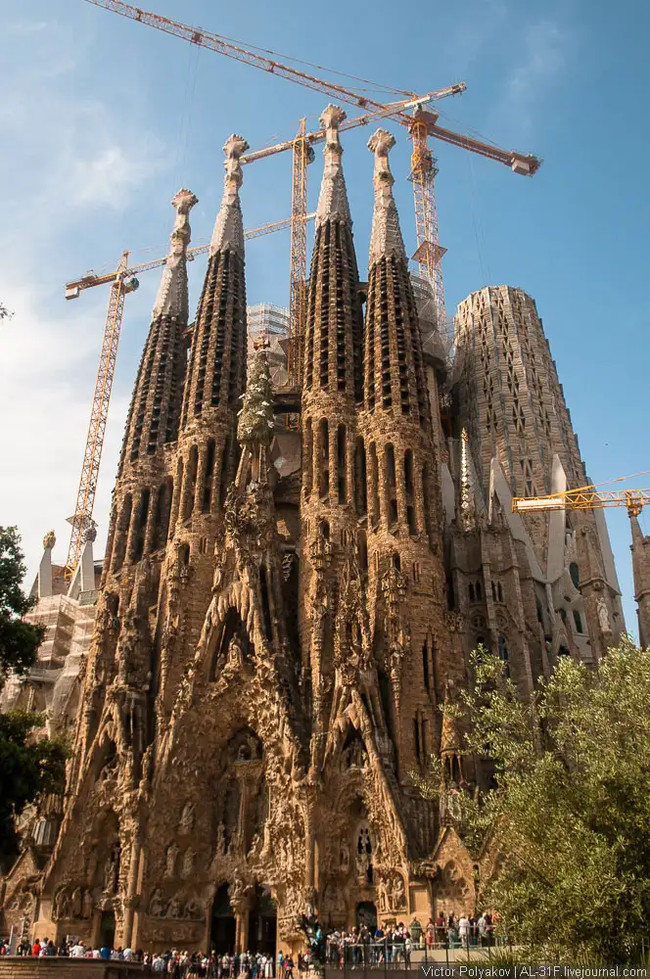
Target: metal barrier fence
383 956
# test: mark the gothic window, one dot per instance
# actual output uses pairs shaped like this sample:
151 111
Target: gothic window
575 574
363 549
428 666
360 479
503 653
397 561
231 805
209 475
410 491
341 464
122 533
374 484
577 618
224 473
364 855
471 592
308 457
190 484
391 484
426 502
527 472
163 509
323 460
479 591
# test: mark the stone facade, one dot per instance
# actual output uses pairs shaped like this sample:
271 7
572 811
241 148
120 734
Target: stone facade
284 608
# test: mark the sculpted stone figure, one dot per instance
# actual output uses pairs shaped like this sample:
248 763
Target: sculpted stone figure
187 818
156 906
170 860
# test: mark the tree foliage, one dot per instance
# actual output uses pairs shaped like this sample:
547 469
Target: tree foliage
570 811
19 640
30 767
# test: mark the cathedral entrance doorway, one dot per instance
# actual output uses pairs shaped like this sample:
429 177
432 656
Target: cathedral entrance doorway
262 922
107 929
223 926
366 914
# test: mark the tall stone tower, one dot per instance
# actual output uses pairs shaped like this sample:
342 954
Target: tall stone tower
285 608
641 571
520 442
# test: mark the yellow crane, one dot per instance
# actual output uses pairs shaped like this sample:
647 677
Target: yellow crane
588 497
122 281
421 124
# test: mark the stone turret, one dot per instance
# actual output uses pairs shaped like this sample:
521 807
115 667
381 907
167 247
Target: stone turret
207 455
331 387
143 490
406 579
641 570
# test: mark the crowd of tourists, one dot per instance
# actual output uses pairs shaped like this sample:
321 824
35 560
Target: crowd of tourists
365 946
174 962
357 947
465 931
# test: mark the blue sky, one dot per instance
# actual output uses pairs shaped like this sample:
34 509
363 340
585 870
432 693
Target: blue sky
102 120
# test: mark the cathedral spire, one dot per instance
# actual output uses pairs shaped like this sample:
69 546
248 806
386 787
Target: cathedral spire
217 366
333 199
229 228
172 294
155 405
386 237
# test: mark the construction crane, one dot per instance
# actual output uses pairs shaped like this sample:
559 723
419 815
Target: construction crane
585 498
421 124
122 282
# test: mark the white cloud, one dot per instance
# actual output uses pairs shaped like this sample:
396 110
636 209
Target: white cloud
544 53
70 162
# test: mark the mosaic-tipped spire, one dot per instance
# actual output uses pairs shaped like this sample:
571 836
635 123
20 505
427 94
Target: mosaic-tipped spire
172 299
229 227
333 199
386 237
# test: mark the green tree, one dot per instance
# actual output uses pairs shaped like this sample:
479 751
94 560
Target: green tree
570 811
29 765
19 640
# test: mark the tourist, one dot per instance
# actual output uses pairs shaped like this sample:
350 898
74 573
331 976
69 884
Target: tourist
157 963
441 929
463 930
78 951
430 934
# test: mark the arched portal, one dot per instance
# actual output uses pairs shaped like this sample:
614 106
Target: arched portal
366 914
223 927
107 929
262 922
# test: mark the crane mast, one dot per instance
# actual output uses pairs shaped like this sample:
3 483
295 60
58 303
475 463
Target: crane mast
81 519
421 125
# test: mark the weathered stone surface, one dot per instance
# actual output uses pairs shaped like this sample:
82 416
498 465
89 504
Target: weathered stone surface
283 614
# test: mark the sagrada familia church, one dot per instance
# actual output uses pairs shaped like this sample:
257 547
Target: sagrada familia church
295 576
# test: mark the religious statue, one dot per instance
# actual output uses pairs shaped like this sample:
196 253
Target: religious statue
156 907
221 839
170 860
344 857
235 655
187 818
603 615
87 905
112 870
188 863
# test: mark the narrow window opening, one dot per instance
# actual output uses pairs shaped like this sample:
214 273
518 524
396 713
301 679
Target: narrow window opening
341 464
